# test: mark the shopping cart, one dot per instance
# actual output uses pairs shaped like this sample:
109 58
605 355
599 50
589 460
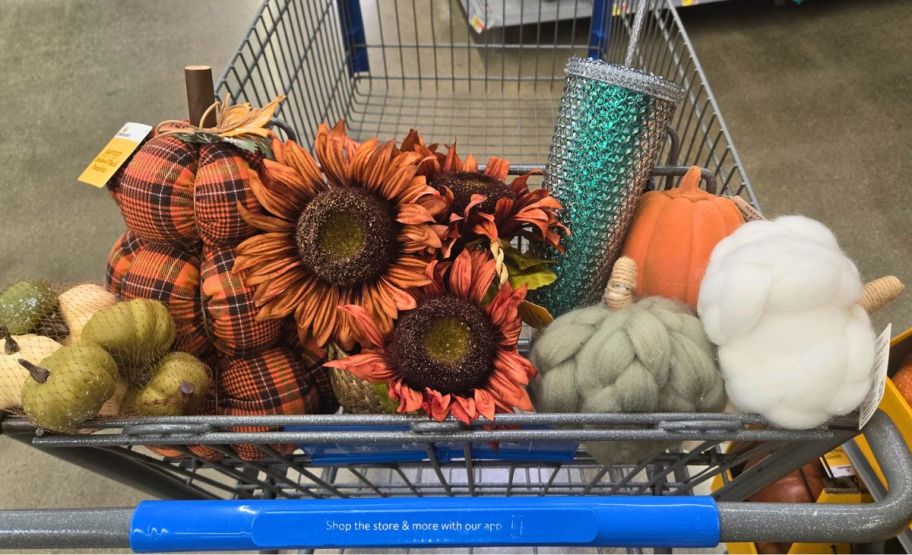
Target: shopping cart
403 481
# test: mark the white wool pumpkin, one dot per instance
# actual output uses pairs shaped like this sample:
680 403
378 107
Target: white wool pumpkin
780 299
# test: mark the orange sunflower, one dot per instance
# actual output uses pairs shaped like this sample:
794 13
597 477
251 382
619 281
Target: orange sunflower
364 236
449 354
482 204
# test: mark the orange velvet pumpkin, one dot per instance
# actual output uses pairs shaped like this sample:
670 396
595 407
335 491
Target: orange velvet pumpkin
672 235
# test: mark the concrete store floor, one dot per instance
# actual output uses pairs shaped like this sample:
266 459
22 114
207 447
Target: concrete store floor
816 98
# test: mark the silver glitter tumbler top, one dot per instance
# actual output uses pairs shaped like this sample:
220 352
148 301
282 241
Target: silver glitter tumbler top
609 131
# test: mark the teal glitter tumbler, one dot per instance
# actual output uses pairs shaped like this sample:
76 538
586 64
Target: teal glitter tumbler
609 131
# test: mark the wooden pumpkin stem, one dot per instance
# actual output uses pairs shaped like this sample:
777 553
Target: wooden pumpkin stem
880 292
38 373
619 292
10 346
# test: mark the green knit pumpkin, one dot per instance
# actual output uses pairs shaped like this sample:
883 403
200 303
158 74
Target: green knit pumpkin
626 357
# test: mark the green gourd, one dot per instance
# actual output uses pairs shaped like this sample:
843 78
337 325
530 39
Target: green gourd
31 347
136 333
69 386
24 304
178 386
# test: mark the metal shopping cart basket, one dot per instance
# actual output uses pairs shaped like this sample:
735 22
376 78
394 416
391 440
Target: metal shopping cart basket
451 69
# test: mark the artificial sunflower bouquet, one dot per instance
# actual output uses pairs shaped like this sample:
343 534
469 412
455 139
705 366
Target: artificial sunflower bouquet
403 263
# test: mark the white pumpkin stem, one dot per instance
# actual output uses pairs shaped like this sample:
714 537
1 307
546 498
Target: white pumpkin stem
619 292
880 292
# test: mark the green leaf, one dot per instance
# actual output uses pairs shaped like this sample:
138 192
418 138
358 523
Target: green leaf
199 137
386 402
523 260
532 279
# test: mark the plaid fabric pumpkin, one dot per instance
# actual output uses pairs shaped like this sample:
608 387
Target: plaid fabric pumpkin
177 193
312 357
271 382
230 312
221 183
171 276
155 191
120 259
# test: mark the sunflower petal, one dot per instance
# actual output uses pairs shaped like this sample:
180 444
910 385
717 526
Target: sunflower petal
369 366
436 404
325 319
470 164
404 301
514 366
484 404
504 313
498 168
413 214
262 245
366 331
262 221
304 163
271 200
407 272
461 275
409 399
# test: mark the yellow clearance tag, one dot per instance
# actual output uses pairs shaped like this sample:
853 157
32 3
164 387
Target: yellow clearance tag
114 154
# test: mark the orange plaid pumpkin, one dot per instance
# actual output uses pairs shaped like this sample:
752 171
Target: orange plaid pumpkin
271 382
171 276
155 191
177 193
230 311
179 200
222 181
120 259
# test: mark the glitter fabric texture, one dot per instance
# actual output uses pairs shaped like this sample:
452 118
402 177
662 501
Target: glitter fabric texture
609 131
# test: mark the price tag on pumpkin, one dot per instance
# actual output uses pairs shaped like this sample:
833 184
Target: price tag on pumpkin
879 377
114 154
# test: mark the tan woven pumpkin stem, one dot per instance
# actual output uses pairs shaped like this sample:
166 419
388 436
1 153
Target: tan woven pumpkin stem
619 292
880 292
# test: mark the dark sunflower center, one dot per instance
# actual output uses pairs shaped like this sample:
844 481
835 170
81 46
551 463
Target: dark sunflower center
346 236
446 344
466 184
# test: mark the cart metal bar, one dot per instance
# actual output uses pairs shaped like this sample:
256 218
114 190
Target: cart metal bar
779 463
856 523
872 482
393 437
119 465
618 521
532 418
65 529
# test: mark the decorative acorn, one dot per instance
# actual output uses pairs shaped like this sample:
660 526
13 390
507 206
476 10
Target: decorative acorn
68 387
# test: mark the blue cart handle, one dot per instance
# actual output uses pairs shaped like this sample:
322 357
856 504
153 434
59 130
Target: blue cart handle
425 522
